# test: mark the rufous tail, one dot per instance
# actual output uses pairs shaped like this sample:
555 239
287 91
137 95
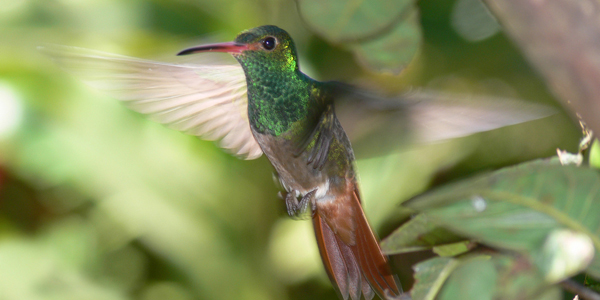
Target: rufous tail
355 265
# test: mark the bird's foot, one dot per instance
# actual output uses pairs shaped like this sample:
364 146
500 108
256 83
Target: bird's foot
295 208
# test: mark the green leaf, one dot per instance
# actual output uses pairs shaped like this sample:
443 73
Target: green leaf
519 279
430 275
473 21
474 279
391 52
342 20
383 35
454 249
418 234
518 207
595 154
483 275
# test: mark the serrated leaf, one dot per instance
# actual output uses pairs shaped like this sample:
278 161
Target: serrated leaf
417 234
518 207
391 52
342 20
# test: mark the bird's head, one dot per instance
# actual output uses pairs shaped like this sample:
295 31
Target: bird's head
265 48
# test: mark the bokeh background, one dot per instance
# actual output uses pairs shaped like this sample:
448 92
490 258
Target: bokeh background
98 203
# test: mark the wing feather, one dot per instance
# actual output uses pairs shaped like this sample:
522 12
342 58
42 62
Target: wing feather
423 116
207 100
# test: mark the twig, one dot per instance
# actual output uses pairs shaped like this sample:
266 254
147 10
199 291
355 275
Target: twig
584 292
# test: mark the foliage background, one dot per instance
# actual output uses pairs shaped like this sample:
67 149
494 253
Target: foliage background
98 203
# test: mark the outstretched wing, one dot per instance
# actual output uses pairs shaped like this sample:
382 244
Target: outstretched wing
205 100
423 117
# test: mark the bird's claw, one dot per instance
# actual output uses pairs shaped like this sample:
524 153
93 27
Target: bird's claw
295 208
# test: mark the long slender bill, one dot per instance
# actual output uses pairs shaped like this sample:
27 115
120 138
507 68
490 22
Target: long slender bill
230 47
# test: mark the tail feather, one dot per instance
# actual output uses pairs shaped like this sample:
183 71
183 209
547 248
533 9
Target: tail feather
355 266
375 260
332 256
340 262
354 274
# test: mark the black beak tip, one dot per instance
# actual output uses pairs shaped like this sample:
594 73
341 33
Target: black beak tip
185 52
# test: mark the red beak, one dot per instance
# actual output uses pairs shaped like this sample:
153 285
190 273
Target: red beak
230 47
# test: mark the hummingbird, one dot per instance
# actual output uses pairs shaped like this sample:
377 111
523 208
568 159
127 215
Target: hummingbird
265 105
292 119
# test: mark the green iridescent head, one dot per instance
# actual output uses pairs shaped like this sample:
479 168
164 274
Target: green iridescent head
278 93
268 47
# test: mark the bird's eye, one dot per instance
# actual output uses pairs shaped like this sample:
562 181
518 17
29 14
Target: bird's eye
269 43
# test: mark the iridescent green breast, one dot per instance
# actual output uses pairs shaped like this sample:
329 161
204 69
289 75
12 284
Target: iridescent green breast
276 101
279 100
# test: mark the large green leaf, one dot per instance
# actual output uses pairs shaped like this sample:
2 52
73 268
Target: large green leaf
480 276
519 207
384 35
392 51
342 20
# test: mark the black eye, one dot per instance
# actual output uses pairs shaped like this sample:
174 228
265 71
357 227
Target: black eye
269 43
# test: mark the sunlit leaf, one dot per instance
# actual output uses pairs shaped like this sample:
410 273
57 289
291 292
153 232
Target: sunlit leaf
564 254
595 154
454 248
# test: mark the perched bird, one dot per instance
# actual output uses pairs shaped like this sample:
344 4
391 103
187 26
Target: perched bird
265 104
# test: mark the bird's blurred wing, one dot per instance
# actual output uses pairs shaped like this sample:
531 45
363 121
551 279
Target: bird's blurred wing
205 100
424 117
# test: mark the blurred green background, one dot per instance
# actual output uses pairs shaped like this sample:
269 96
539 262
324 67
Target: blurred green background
98 203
